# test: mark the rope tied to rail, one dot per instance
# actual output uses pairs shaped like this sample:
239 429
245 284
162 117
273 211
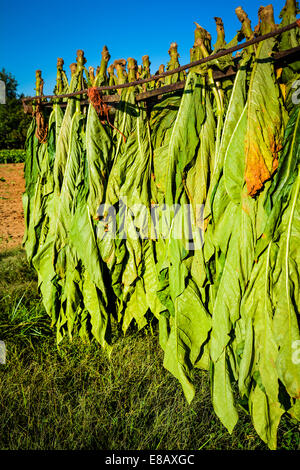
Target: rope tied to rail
101 108
41 125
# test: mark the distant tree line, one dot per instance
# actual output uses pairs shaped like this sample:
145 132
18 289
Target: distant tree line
13 122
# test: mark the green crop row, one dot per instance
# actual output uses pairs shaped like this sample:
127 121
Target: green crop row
12 156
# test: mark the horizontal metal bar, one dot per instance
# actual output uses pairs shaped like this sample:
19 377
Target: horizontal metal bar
282 56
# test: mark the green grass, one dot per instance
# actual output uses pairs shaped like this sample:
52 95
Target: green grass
12 156
75 397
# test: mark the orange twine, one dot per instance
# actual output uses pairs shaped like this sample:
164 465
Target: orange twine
42 128
101 108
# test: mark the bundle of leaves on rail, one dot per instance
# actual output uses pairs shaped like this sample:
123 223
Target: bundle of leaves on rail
225 292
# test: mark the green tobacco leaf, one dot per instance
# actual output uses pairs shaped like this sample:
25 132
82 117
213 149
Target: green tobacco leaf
99 314
281 236
38 225
66 261
257 305
198 177
163 116
183 345
294 411
289 39
286 288
67 194
266 416
42 262
150 278
279 191
234 162
62 146
125 122
233 114
98 154
63 140
83 239
219 208
136 307
189 330
31 172
182 150
71 306
271 304
46 217
54 125
140 268
234 276
222 397
184 139
131 258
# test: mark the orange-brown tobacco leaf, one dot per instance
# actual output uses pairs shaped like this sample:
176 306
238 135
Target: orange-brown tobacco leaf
257 171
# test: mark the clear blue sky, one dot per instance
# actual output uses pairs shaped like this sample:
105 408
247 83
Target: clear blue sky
34 33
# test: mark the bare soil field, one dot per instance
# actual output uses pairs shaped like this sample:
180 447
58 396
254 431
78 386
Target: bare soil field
12 186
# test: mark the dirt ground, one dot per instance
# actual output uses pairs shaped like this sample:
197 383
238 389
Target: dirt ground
12 186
